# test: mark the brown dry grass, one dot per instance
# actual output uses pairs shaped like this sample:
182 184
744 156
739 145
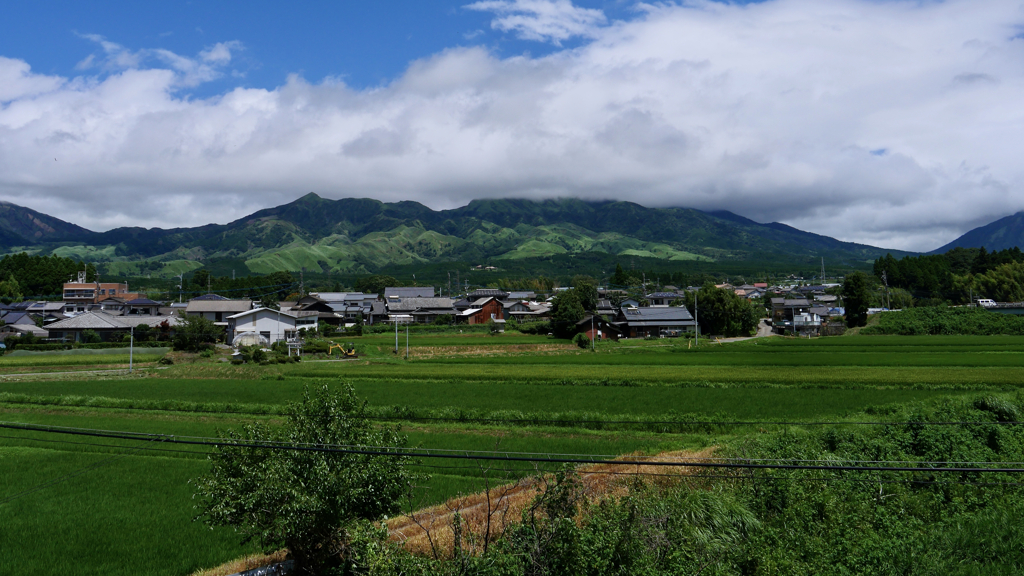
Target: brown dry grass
242 564
486 515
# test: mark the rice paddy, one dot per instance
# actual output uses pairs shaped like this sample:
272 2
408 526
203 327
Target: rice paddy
78 505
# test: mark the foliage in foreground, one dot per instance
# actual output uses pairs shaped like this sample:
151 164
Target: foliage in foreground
779 521
307 501
947 321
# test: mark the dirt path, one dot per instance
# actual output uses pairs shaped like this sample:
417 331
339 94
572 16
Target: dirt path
429 531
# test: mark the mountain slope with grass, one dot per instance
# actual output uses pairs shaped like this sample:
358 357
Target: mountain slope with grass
354 235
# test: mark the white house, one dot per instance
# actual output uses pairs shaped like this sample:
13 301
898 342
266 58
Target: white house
271 325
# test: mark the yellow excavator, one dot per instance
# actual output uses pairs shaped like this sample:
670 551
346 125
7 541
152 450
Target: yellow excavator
350 352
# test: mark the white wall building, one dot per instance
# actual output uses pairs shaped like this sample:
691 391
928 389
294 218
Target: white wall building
272 325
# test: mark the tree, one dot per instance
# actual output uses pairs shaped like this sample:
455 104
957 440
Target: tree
566 311
856 297
619 279
723 312
308 501
201 279
192 332
586 290
375 284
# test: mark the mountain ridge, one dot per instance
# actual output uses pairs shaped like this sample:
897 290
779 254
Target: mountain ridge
1006 232
361 235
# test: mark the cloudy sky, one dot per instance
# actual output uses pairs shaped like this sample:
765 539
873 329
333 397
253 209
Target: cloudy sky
893 123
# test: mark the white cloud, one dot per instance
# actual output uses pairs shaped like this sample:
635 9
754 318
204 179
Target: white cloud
542 20
891 123
190 71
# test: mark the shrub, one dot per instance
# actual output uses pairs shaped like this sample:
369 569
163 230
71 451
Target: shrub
581 340
307 501
90 337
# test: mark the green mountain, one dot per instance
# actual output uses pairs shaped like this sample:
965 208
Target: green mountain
361 235
20 226
999 235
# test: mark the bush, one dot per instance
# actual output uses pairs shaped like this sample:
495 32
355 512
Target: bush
536 327
310 502
581 340
90 337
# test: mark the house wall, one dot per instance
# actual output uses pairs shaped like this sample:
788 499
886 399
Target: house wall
492 309
270 324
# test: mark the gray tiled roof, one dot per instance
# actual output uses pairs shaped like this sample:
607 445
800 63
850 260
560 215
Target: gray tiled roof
103 321
410 304
409 292
229 306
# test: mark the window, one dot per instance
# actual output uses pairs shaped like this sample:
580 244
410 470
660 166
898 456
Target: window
265 335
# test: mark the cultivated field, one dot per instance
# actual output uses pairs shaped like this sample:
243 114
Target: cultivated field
83 505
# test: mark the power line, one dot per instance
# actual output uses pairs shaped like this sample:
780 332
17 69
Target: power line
393 451
68 476
402 417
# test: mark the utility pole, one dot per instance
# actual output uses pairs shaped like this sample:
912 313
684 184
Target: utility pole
406 340
396 336
696 324
593 334
131 348
822 270
302 283
181 282
885 279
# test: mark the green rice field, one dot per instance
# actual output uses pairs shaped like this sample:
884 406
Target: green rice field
83 505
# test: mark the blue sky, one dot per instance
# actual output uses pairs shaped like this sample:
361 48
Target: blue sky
364 43
894 123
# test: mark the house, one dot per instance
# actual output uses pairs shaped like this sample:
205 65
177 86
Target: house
21 329
483 293
422 310
107 326
524 311
795 316
409 292
662 298
483 311
325 311
655 322
349 305
268 325
523 295
143 306
597 327
79 291
217 310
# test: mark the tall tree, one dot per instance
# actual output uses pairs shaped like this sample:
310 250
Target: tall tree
566 311
856 297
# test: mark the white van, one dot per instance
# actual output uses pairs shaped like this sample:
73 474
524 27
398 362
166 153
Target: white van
986 302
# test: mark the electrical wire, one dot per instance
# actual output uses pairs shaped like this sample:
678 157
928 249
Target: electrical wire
407 418
68 476
501 456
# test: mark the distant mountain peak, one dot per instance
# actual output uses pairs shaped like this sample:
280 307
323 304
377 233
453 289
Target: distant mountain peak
1004 233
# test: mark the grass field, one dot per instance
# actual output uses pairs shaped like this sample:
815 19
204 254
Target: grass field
118 507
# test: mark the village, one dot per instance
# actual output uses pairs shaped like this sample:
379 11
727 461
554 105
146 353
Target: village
108 311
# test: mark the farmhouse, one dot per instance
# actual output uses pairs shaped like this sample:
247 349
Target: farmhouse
108 327
422 310
655 322
271 325
596 327
483 311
